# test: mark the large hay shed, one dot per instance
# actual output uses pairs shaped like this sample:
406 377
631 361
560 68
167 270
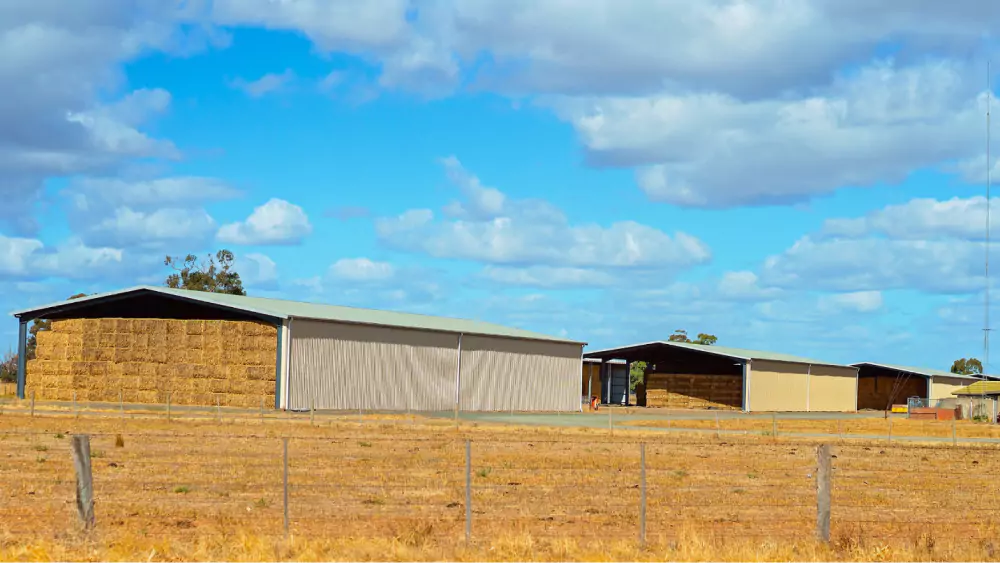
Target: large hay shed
882 385
689 376
147 343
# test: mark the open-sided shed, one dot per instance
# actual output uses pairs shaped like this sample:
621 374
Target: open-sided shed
685 375
882 385
147 343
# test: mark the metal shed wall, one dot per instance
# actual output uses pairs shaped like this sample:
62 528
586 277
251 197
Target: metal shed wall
942 387
778 386
798 387
347 366
832 389
503 374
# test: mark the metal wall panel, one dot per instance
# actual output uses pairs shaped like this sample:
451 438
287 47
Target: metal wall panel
504 374
942 386
778 386
347 367
832 389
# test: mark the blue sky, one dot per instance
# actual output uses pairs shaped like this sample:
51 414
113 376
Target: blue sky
803 178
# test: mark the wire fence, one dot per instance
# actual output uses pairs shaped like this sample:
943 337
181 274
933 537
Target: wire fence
418 489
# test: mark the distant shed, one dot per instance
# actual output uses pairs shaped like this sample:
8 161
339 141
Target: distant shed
882 385
685 375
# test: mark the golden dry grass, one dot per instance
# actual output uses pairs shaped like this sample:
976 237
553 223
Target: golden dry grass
392 488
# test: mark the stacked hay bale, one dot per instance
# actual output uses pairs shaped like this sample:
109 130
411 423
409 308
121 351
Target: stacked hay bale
147 360
686 391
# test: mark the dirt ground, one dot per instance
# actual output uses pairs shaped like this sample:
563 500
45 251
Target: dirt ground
394 487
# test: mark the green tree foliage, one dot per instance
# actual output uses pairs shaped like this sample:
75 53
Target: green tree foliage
970 366
680 335
635 374
8 367
38 325
214 276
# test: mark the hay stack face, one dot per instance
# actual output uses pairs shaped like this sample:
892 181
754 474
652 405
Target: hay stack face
149 360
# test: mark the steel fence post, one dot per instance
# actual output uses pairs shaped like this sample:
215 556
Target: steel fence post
823 471
284 442
642 493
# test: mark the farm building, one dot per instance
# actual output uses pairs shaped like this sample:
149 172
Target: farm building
608 381
882 385
683 375
146 343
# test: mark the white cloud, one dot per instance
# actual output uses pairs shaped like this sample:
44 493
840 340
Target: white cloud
482 202
30 259
166 226
533 232
920 219
361 269
857 302
88 193
877 264
267 84
275 222
14 254
357 26
744 286
548 277
257 270
707 149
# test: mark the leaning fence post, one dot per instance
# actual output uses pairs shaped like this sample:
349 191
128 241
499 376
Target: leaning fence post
80 448
717 432
642 493
312 413
890 429
285 447
468 490
823 471
76 413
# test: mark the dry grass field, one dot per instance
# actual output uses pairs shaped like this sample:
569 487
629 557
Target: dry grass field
393 488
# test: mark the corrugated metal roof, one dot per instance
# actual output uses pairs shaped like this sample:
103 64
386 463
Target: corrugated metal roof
736 353
919 371
980 388
282 309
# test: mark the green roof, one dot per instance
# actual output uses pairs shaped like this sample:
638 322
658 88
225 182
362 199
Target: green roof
282 309
980 388
737 353
919 371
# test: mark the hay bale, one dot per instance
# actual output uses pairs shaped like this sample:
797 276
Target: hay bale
124 340
260 373
140 340
91 327
75 341
156 340
175 340
68 326
194 327
123 326
229 330
107 326
195 341
106 340
212 329
212 357
158 355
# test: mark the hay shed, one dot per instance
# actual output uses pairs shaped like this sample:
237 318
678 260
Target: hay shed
690 376
608 381
882 385
147 342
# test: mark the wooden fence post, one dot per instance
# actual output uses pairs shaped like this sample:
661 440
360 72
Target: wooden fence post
642 492
468 490
285 481
823 474
80 447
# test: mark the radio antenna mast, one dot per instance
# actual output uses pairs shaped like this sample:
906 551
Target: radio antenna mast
986 311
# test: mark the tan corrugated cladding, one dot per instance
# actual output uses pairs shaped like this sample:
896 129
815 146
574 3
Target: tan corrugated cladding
694 391
343 366
942 387
502 374
148 360
795 387
881 392
832 388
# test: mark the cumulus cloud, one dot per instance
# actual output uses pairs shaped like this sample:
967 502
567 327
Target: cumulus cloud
258 270
496 230
22 258
871 264
361 269
267 84
920 219
153 213
857 302
744 286
706 149
549 277
276 222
